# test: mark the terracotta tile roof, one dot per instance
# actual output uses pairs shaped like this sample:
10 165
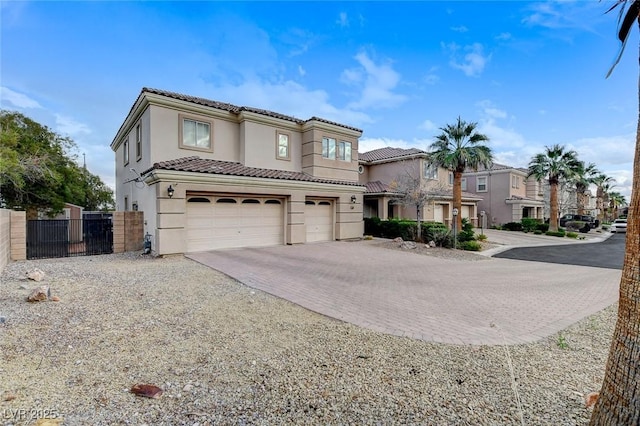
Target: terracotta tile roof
389 153
376 187
216 167
238 109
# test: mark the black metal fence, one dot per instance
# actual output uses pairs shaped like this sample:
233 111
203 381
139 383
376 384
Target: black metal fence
69 237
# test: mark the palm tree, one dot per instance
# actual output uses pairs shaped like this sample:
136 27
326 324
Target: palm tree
619 400
616 200
583 178
457 148
555 164
602 182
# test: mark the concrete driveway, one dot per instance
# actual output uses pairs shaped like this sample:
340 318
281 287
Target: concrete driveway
489 301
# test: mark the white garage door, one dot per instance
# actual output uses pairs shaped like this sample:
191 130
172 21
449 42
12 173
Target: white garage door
231 222
465 212
318 215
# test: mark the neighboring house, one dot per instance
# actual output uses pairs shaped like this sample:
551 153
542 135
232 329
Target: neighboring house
508 196
380 168
211 175
568 200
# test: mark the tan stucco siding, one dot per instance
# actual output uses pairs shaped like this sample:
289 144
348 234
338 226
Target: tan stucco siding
259 147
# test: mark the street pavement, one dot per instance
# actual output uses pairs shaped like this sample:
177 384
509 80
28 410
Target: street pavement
487 301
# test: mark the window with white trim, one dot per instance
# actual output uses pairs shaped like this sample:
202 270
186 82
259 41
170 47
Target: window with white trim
481 184
463 184
282 149
344 151
450 178
328 148
430 171
515 181
125 152
138 141
195 134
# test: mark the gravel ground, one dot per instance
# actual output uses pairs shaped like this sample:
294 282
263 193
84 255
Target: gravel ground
227 354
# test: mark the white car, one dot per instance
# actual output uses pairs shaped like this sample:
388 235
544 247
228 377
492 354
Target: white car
619 225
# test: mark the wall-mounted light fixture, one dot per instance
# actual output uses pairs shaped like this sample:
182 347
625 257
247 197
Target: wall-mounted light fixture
353 199
170 191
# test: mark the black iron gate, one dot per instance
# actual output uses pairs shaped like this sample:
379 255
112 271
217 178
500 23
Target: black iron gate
69 237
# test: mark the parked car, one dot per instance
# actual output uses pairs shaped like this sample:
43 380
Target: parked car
619 226
578 218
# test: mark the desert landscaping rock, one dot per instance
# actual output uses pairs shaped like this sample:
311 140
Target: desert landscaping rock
35 275
226 354
39 294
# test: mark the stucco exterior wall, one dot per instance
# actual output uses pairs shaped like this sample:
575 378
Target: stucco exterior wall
171 215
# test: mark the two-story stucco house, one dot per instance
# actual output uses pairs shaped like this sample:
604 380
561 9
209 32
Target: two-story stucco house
211 175
380 168
507 194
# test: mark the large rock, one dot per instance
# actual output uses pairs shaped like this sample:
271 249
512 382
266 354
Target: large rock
35 275
39 294
408 245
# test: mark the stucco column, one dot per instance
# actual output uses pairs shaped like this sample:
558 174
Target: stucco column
295 226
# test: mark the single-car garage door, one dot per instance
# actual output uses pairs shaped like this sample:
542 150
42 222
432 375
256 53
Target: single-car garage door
231 222
318 215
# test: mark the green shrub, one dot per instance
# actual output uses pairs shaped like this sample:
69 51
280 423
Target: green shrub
512 226
481 237
558 233
572 235
470 246
543 227
407 230
466 233
530 224
537 232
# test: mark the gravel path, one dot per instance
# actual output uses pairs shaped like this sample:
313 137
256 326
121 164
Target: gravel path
227 354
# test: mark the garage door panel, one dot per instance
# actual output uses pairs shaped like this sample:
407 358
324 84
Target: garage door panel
233 222
319 221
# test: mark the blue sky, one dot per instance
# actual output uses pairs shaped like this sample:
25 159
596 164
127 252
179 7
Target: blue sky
529 73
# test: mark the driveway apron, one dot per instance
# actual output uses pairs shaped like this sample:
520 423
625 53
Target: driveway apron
491 301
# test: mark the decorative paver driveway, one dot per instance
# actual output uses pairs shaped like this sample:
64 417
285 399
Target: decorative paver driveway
492 301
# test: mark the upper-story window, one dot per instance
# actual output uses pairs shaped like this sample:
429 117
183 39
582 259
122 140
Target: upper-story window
463 184
430 171
481 184
138 141
344 151
125 152
450 178
328 148
282 145
195 134
515 181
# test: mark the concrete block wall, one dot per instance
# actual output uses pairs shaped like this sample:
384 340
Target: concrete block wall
128 231
13 236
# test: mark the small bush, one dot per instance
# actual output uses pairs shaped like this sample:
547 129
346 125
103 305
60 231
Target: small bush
512 226
537 232
558 233
543 227
470 246
481 237
572 235
530 224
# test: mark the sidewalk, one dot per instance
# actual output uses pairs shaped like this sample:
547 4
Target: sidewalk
512 239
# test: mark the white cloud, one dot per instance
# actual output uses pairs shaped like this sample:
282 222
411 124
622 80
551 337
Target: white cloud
69 126
460 29
343 20
376 82
472 62
18 100
288 98
561 14
369 144
301 70
503 36
428 125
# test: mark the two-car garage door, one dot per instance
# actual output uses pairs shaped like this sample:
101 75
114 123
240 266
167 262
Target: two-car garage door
230 222
219 222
